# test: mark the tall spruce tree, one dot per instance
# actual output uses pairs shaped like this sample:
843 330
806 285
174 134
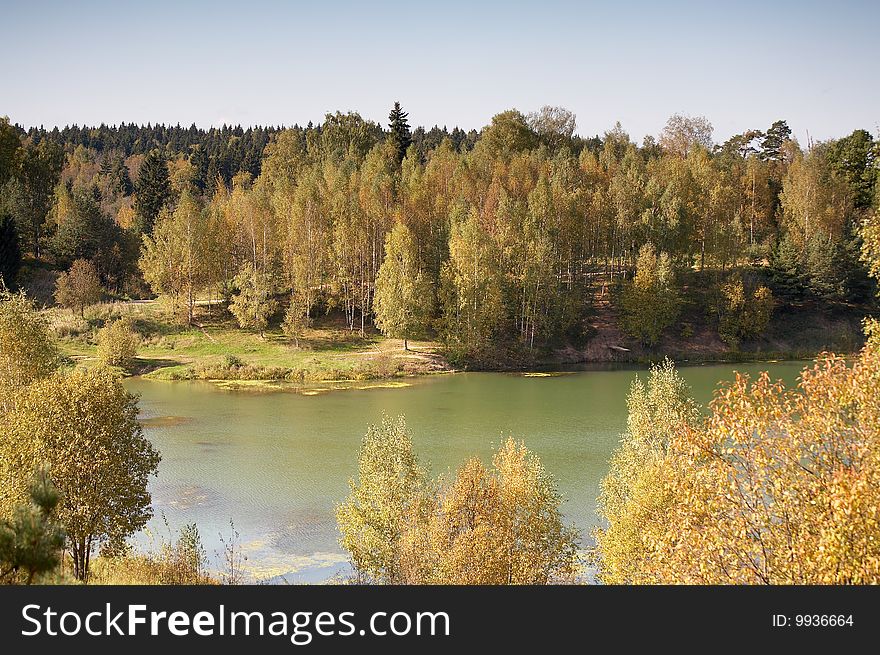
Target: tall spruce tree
399 132
153 191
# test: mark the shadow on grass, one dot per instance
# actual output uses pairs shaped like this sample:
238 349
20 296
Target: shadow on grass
144 365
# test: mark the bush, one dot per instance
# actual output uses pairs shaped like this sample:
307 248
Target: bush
118 343
744 309
651 302
182 562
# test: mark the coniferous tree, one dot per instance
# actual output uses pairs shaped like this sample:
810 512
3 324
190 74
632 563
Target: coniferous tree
153 191
775 137
400 134
30 541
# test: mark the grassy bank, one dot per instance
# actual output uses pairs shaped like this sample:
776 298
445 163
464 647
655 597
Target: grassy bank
214 348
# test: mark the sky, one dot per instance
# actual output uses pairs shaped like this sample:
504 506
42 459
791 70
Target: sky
741 64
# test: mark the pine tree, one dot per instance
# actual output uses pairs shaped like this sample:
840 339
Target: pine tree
30 541
776 136
400 134
10 251
153 191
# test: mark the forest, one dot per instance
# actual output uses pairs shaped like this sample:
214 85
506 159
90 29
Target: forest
500 244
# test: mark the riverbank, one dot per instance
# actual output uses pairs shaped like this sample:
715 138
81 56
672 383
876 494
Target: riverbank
797 331
328 355
215 349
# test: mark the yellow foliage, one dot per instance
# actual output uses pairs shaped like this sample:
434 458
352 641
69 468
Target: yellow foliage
27 353
118 343
500 526
775 486
83 425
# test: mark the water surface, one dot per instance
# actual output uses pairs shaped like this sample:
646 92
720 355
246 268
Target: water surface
277 463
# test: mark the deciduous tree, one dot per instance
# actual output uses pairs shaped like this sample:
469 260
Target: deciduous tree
27 353
80 287
255 301
404 300
491 526
83 425
390 480
118 343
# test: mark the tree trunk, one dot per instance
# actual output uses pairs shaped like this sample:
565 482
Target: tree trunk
405 344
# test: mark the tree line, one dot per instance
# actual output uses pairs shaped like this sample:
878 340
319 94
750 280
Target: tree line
491 240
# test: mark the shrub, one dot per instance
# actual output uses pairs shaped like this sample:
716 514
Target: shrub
182 562
650 303
118 343
744 309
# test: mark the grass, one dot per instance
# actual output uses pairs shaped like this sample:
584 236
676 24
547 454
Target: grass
216 349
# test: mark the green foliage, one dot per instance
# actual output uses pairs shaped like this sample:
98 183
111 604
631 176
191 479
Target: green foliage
398 132
28 188
514 229
632 495
10 144
153 191
870 233
27 353
296 317
650 302
854 159
824 272
390 480
743 309
348 136
118 343
508 135
773 141
84 231
403 301
79 287
787 269
255 302
83 425
472 289
30 541
176 258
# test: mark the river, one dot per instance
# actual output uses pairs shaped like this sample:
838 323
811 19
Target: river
276 463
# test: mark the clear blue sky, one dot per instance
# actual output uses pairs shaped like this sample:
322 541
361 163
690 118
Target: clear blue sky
741 64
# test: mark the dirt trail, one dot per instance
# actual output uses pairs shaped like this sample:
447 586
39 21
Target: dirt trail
608 342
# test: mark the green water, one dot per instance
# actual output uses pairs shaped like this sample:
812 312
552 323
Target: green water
276 463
